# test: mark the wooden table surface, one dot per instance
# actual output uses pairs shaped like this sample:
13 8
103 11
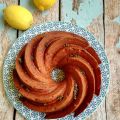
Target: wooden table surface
100 17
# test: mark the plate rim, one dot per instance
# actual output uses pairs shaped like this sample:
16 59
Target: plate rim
46 23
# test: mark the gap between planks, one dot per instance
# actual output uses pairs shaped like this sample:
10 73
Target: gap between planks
104 45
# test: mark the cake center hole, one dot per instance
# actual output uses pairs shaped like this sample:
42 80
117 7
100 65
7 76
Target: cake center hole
57 75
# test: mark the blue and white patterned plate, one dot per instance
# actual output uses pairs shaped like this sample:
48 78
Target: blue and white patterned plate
9 64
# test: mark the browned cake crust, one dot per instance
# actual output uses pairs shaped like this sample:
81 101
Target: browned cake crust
72 54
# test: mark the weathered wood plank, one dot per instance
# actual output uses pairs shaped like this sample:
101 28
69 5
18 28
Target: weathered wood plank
89 15
81 12
19 117
112 46
7 36
39 17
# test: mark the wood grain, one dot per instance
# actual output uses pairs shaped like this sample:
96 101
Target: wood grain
112 47
7 36
82 12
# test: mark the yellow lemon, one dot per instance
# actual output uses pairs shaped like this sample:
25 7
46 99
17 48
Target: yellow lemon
18 17
44 4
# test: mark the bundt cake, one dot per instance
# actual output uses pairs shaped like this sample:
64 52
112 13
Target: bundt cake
57 73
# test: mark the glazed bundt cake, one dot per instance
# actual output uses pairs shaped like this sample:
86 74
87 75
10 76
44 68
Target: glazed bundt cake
57 73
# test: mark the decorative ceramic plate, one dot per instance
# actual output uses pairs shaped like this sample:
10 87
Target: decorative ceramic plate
9 65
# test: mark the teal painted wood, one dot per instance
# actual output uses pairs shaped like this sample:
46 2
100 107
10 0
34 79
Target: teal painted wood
83 13
28 4
7 36
117 20
118 44
10 32
2 6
